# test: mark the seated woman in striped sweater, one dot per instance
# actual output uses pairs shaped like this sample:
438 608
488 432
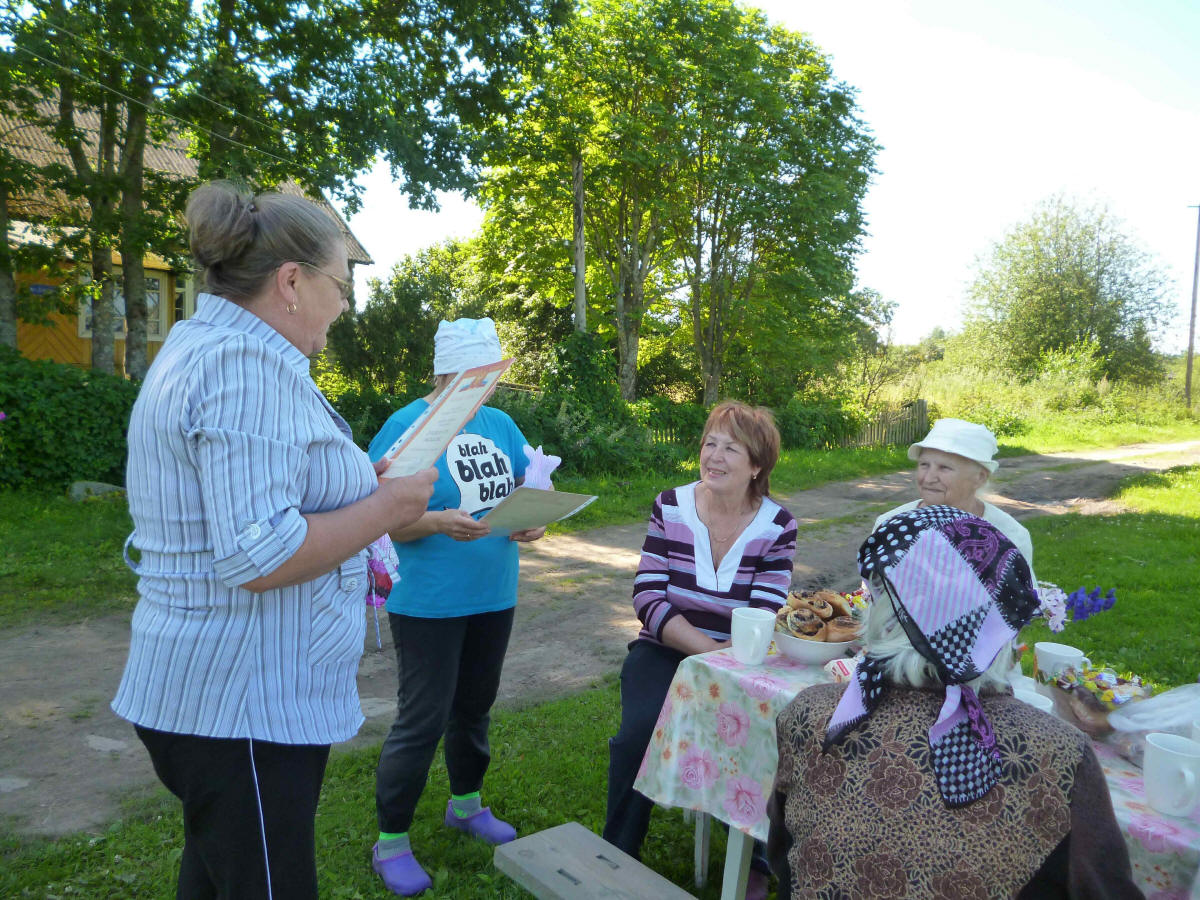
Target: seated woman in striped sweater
712 546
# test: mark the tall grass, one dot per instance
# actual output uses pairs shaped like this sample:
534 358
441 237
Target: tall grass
1065 407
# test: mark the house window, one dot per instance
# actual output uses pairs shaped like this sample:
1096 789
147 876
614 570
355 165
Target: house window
156 325
185 297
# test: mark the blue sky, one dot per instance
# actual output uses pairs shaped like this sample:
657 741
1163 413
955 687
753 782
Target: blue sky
983 108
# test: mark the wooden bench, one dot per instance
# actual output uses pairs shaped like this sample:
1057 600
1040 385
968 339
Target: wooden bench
568 862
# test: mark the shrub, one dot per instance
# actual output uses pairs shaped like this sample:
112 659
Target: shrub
677 423
588 442
366 409
61 424
814 424
1002 418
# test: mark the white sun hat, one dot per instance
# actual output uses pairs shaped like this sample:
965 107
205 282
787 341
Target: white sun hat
962 438
464 344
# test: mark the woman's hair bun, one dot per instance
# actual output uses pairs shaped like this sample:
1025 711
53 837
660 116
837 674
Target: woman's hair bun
220 222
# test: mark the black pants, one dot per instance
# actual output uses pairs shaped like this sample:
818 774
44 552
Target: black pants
449 673
645 679
223 839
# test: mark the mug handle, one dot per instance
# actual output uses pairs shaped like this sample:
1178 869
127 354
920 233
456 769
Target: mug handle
1189 791
1087 663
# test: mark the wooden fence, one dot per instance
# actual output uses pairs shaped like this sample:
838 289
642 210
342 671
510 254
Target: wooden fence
894 427
665 435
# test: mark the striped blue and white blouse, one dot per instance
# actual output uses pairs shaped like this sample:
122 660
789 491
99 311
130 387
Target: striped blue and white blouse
230 441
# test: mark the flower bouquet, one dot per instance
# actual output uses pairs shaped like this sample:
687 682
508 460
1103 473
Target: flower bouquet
1079 604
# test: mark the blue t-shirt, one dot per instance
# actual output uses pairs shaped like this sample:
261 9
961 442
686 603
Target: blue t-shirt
439 576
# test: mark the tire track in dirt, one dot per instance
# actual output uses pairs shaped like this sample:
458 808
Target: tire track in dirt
66 761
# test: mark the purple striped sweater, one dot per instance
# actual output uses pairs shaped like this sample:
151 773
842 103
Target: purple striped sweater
676 576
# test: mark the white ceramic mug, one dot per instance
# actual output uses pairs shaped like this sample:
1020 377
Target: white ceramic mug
751 631
1052 658
1171 772
1033 698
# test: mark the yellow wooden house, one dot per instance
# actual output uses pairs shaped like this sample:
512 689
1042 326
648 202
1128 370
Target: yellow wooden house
170 292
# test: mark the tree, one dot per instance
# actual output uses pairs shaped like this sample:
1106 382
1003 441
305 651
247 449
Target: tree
722 166
608 102
267 91
1068 277
19 202
388 344
96 100
773 168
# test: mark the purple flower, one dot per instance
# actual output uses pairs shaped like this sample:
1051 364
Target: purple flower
1083 605
3 416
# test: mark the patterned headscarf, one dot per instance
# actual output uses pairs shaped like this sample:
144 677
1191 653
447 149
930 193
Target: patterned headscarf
961 590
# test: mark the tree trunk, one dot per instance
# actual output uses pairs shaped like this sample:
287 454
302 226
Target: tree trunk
627 350
103 320
577 210
712 382
101 199
133 245
8 283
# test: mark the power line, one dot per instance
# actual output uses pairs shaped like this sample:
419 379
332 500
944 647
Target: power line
153 108
138 65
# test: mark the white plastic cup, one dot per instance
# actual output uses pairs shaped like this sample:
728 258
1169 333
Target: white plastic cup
1052 658
1171 772
1033 698
751 631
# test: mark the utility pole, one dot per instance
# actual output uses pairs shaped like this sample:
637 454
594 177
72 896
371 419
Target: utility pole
1187 382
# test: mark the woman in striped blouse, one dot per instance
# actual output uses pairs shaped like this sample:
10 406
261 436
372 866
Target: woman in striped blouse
712 546
252 508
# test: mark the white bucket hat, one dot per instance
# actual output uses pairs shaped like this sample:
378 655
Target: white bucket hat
962 438
464 344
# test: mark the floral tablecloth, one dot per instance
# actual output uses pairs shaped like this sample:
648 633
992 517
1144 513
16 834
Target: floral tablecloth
1164 850
714 750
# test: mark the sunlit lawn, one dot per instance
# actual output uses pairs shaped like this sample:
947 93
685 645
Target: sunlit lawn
1151 557
549 767
550 760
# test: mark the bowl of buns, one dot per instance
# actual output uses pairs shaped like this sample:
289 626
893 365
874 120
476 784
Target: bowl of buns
815 626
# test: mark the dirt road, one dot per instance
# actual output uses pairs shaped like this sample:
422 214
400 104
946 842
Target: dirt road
66 760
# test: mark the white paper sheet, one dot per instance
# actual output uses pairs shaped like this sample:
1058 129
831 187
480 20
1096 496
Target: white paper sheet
426 438
528 507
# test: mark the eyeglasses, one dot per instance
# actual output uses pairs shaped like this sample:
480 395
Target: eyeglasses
346 288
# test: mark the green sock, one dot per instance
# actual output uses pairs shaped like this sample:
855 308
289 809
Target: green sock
465 805
393 844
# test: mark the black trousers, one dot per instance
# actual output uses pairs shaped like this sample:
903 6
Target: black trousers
449 673
223 849
645 679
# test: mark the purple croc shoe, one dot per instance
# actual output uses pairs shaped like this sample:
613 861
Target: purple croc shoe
401 874
482 825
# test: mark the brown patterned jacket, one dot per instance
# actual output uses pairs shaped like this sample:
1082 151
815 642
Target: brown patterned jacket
866 819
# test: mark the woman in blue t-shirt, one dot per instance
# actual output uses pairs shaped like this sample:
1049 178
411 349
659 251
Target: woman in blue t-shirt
451 614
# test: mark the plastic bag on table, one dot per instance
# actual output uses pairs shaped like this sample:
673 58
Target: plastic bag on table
1172 711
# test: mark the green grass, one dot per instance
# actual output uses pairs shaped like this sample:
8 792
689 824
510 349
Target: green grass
61 559
549 766
550 761
1152 557
1054 434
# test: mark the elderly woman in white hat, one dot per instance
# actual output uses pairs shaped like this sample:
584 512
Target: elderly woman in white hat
451 613
954 462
